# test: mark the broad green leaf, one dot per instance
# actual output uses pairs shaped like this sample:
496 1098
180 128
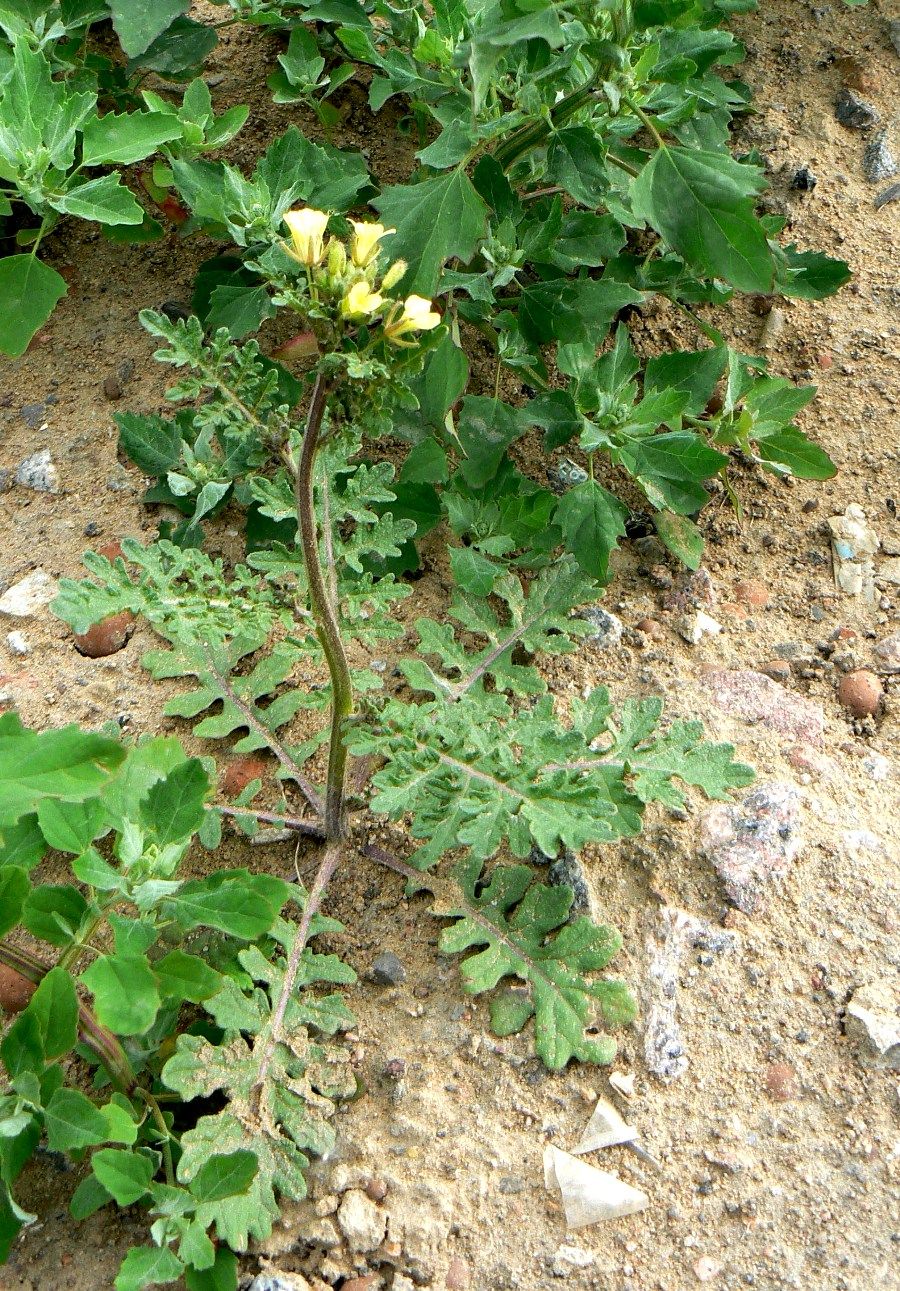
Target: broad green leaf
22 844
152 443
702 205
435 221
12 1220
696 373
294 168
681 536
14 888
125 1175
126 996
180 49
138 24
104 200
791 451
486 429
73 1122
29 290
146 1266
592 520
174 807
54 1005
185 977
127 137
71 826
222 1276
53 912
235 902
672 467
240 310
88 1198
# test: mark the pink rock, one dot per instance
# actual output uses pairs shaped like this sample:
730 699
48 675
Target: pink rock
752 842
458 1277
803 757
753 697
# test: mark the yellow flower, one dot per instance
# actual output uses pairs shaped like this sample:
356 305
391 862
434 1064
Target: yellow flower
307 235
361 301
417 316
364 243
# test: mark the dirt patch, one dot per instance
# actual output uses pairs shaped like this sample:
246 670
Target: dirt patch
777 1147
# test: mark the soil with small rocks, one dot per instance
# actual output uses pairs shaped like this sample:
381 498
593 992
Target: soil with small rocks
773 1148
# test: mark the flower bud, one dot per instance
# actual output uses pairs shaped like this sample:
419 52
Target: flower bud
394 274
337 258
307 228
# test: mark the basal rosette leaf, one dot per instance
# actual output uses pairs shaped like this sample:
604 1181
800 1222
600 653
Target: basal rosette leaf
523 928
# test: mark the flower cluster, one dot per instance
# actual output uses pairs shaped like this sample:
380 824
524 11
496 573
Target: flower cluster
352 279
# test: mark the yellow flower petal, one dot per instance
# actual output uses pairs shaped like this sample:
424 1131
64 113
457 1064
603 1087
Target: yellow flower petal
307 228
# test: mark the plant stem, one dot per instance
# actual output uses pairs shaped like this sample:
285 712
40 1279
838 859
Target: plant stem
325 615
307 827
102 1043
329 863
160 1122
646 121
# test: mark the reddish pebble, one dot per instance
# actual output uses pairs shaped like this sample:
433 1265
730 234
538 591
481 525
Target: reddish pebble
843 634
107 636
240 772
825 360
376 1189
781 1082
457 1278
368 1282
750 591
861 693
651 628
15 990
777 669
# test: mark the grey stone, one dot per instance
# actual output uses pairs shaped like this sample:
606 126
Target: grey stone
387 969
887 654
853 112
29 595
754 842
33 414
606 629
872 1022
38 472
277 1281
878 161
567 473
894 33
890 194
567 871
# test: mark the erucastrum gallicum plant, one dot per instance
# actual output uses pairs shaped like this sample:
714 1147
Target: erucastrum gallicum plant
175 989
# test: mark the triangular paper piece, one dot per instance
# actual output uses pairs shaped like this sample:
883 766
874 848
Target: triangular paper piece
589 1195
605 1129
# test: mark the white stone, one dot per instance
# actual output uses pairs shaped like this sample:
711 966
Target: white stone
361 1221
567 1259
17 644
30 594
873 1023
693 627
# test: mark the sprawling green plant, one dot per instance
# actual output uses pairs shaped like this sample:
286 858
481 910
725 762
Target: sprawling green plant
56 147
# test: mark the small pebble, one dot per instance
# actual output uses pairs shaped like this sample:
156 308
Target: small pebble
112 390
567 473
707 1269
781 1082
804 180
458 1277
887 653
752 591
106 637
650 628
17 643
28 595
606 630
890 194
778 669
861 693
387 969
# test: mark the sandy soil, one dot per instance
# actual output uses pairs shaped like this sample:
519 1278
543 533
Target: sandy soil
778 1147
